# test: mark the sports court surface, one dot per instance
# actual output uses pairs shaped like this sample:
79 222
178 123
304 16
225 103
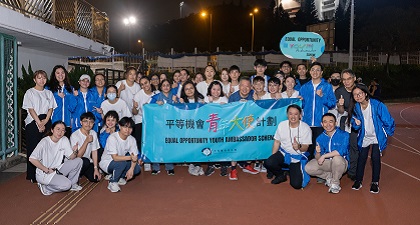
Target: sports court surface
184 199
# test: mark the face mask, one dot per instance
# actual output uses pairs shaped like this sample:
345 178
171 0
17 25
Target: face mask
335 82
111 96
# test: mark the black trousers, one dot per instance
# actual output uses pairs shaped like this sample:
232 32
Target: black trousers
33 137
137 135
87 170
275 164
316 131
376 163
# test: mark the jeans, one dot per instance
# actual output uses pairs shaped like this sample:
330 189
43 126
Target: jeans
118 169
168 166
376 163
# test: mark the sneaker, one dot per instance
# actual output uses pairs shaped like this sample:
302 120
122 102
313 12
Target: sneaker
170 172
327 182
257 166
263 169
200 170
334 188
270 175
114 187
209 170
192 170
217 166
223 171
279 179
107 177
122 181
374 188
249 169
357 185
233 175
76 187
147 167
43 190
155 172
319 180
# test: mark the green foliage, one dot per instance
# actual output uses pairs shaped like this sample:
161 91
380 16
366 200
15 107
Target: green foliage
25 82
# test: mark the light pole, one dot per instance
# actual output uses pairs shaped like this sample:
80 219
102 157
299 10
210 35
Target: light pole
253 28
351 34
142 47
181 4
204 14
128 22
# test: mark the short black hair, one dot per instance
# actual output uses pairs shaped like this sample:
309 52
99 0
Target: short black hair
261 62
87 115
234 67
274 80
286 62
317 64
258 78
349 71
126 122
329 114
112 114
295 107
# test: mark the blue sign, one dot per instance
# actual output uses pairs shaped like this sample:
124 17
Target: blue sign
302 45
212 132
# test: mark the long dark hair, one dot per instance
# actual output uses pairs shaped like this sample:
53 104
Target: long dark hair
55 85
197 94
211 86
49 132
353 102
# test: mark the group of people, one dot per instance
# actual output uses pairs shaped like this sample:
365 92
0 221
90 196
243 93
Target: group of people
97 131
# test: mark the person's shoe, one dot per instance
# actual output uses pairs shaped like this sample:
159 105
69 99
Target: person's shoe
327 182
209 170
263 169
43 190
122 181
200 170
352 177
257 166
279 179
233 175
270 175
334 188
319 180
170 172
147 167
223 171
114 187
217 166
357 185
76 187
249 169
374 188
107 177
155 172
192 170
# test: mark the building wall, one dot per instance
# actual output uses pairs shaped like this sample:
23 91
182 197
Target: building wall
39 60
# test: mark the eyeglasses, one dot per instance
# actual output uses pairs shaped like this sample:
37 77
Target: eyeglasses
360 94
316 70
88 121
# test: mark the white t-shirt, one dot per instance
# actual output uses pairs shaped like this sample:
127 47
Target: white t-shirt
202 87
266 78
128 93
226 88
235 88
40 101
141 98
266 96
294 95
285 134
220 100
50 154
120 107
117 146
370 134
79 138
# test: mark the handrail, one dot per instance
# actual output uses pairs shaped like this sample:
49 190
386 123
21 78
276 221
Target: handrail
76 16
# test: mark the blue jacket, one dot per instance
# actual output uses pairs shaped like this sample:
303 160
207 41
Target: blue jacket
68 104
98 101
236 97
339 141
382 121
161 97
314 106
81 108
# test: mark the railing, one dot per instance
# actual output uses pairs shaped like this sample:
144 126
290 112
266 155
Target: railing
76 16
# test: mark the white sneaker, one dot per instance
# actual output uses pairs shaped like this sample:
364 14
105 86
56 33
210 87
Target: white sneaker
76 187
192 170
114 187
335 189
107 177
122 181
147 167
43 190
200 170
263 169
328 182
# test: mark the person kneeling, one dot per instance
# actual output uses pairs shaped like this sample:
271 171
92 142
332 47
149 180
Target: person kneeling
331 152
120 156
291 142
52 174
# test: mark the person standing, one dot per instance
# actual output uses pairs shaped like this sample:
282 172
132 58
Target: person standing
39 104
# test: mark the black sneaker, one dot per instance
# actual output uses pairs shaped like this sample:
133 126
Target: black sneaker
374 188
155 172
357 185
170 172
279 179
223 171
270 175
209 171
217 166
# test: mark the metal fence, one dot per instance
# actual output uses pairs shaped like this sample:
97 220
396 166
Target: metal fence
76 16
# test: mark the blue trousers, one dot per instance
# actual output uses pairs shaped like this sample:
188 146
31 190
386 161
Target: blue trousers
118 169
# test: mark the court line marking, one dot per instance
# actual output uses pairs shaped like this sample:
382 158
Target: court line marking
409 107
408 150
401 171
406 144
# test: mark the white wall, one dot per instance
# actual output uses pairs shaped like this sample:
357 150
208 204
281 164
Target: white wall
39 60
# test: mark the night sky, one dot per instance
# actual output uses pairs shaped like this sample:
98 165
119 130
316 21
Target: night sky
154 12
